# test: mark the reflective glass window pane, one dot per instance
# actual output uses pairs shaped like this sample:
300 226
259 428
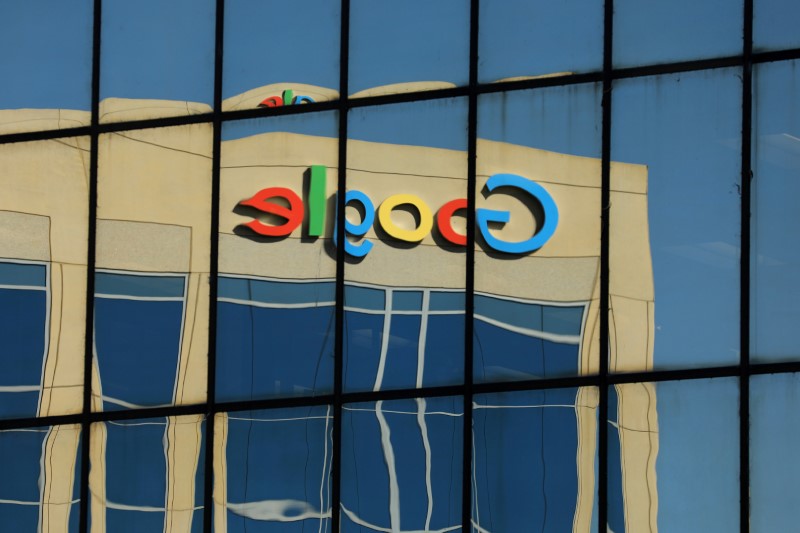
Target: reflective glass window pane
134 366
280 53
406 176
680 30
46 65
40 485
775 222
401 465
774 24
674 456
675 191
774 441
524 38
276 471
534 460
152 260
23 333
157 59
398 47
44 210
146 473
275 317
536 281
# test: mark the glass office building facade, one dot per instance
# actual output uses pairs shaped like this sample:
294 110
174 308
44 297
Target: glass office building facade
375 266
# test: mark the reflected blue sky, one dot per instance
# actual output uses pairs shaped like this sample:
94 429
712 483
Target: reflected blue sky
272 42
697 468
648 31
413 40
686 128
47 55
561 119
775 252
774 441
48 43
775 24
158 49
525 38
433 123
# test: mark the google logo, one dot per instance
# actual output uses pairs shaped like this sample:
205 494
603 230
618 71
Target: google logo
292 210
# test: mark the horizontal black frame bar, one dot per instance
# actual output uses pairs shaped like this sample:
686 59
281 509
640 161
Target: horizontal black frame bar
433 94
594 380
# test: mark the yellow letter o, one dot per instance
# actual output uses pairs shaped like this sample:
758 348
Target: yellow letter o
407 235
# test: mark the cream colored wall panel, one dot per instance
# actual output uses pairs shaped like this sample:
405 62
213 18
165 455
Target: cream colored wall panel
239 255
61 448
159 176
122 109
50 178
250 99
551 279
639 443
24 236
631 264
143 246
25 120
427 266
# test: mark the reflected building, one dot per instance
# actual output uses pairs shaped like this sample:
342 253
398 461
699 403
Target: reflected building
536 316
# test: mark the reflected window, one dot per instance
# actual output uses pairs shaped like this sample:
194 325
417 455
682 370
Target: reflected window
265 345
39 487
528 464
24 305
152 474
401 465
139 324
402 338
277 469
517 339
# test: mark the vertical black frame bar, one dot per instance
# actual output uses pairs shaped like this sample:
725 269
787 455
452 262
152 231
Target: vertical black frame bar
86 425
208 478
604 307
744 275
341 187
469 285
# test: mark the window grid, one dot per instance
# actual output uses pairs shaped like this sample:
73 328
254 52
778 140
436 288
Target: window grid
744 370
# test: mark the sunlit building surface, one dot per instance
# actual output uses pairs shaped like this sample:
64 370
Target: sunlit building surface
373 266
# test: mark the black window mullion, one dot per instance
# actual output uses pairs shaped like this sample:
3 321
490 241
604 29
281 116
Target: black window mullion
744 259
88 356
213 269
341 187
605 203
469 282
